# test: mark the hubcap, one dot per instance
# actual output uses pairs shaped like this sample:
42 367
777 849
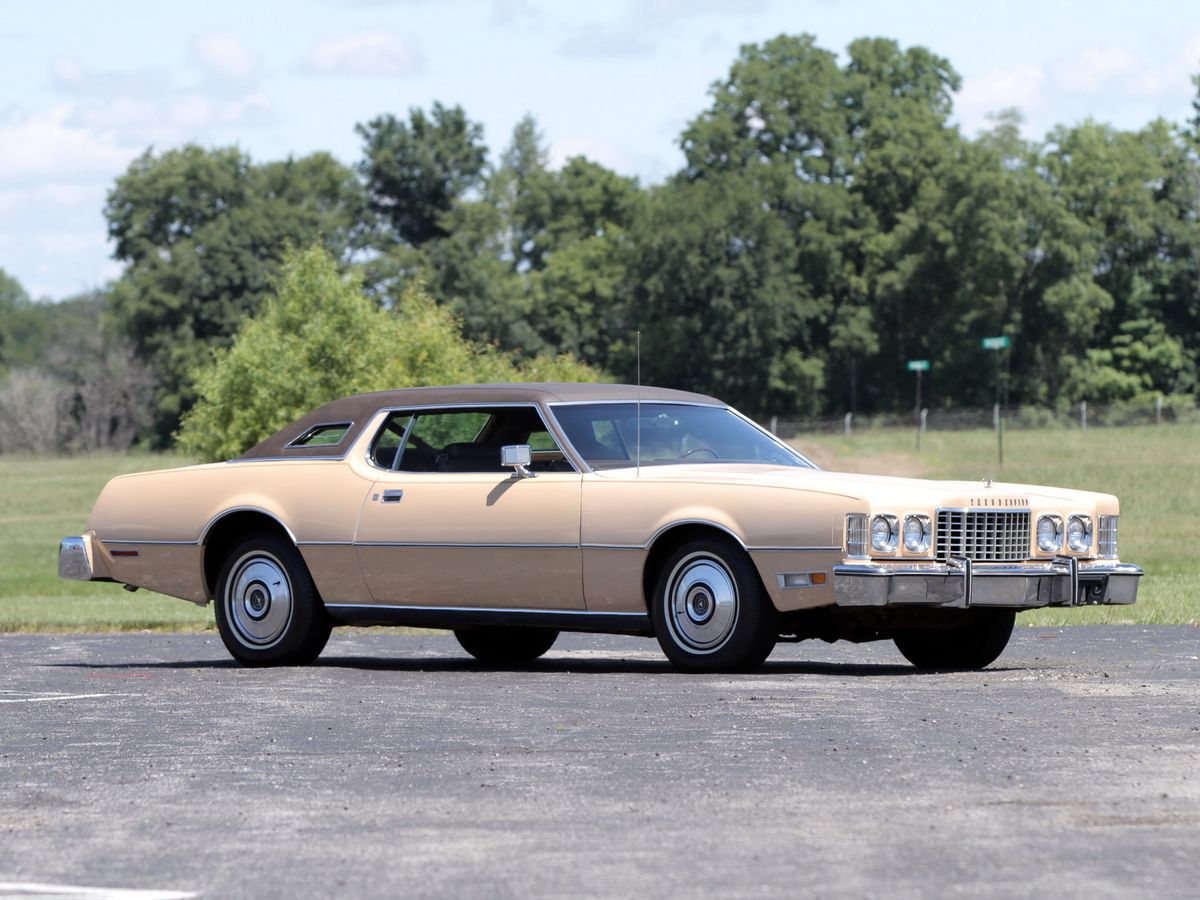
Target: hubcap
702 603
258 600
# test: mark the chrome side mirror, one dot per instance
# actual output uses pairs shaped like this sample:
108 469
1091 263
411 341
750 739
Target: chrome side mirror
518 456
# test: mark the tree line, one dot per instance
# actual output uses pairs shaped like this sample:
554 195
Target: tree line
828 225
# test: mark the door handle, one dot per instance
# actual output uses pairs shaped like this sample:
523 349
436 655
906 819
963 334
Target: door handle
392 496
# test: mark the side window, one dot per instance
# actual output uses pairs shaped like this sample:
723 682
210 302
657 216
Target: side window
387 442
464 440
447 442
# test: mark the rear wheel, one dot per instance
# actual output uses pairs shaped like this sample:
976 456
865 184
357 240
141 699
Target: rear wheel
974 643
268 610
500 645
710 611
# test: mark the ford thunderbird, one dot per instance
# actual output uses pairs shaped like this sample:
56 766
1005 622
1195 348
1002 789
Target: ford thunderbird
510 513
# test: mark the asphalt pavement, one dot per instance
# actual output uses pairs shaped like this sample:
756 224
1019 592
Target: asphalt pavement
150 766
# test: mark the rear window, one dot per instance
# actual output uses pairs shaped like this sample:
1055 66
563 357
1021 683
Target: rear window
327 435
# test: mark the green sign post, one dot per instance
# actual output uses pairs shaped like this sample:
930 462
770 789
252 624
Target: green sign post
918 366
996 344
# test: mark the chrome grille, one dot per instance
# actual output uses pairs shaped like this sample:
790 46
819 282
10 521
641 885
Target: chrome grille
856 535
1108 536
983 535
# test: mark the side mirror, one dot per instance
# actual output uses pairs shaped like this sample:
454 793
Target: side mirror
518 456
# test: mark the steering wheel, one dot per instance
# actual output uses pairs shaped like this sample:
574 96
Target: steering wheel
686 453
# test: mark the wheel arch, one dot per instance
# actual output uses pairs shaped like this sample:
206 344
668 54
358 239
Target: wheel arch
670 537
225 530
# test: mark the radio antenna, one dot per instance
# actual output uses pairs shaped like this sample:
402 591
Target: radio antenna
638 451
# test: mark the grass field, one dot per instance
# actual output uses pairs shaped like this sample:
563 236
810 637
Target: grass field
42 500
1154 470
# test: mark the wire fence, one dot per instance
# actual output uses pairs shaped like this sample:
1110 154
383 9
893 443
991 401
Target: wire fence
1083 416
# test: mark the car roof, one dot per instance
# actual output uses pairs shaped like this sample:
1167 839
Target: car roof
359 408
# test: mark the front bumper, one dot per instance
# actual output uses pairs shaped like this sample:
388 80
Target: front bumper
1063 581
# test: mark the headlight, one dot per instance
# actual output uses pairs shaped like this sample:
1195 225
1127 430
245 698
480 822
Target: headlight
885 534
1050 534
916 534
1079 533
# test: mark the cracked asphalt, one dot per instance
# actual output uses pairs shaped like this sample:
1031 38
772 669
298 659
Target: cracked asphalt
396 767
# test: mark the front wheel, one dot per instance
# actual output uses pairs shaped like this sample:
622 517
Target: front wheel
710 611
268 610
501 645
974 643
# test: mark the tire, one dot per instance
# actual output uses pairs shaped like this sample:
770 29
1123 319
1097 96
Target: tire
268 610
499 645
974 644
710 611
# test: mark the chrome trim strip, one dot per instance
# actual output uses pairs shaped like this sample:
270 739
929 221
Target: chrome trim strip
794 549
464 545
665 528
151 543
487 609
612 546
290 459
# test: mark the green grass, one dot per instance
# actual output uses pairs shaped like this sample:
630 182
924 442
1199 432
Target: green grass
42 500
1154 470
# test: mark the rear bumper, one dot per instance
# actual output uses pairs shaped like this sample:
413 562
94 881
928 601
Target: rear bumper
1062 581
79 560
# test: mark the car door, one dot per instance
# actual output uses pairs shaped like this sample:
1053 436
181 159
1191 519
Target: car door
447 525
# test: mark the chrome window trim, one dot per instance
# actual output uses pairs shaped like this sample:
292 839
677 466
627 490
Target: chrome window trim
384 411
314 458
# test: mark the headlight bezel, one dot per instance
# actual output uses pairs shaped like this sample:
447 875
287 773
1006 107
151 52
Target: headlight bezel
892 543
1059 532
1084 542
925 541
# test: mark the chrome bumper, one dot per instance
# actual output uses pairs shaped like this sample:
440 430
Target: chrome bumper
75 559
1062 581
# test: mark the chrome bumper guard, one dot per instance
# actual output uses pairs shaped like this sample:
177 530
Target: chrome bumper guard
74 559
1063 581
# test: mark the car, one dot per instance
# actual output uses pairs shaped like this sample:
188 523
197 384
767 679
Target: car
509 513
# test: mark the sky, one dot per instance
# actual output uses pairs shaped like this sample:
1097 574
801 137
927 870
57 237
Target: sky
86 87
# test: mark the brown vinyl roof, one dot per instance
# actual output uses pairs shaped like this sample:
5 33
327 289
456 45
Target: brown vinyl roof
358 409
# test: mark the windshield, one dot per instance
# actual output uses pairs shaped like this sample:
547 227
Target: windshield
607 435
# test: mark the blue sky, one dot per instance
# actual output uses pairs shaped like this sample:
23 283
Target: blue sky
86 86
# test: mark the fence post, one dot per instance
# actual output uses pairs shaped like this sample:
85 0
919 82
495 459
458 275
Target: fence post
774 424
996 417
846 423
924 419
1158 410
1083 414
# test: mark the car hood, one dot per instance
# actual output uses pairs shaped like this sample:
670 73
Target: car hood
877 492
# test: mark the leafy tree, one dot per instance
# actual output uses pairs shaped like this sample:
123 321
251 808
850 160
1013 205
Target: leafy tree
415 170
319 337
202 232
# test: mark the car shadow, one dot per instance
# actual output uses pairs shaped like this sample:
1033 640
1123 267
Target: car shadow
562 666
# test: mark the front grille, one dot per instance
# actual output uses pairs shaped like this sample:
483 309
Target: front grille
983 535
856 535
1108 537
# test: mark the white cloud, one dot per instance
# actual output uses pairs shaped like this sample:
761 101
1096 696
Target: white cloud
1093 68
50 145
368 53
1019 86
225 58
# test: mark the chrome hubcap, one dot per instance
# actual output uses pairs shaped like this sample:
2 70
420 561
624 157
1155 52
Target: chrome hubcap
258 600
702 603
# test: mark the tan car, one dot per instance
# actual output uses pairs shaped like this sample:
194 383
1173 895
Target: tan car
509 513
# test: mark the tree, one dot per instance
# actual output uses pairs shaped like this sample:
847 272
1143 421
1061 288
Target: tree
319 337
415 170
201 233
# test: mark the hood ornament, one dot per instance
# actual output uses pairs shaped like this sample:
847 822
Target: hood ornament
987 482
